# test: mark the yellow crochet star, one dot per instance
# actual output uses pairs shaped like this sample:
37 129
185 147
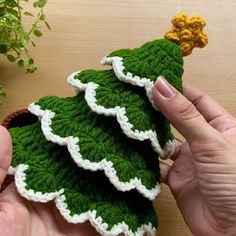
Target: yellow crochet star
187 33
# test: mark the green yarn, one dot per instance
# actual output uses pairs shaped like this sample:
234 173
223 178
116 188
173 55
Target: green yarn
51 169
159 57
101 138
113 92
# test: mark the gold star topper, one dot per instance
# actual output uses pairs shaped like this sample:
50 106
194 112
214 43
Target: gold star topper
187 33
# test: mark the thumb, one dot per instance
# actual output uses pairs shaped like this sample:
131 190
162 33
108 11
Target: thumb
5 153
181 113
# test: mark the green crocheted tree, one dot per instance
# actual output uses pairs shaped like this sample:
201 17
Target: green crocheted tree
96 153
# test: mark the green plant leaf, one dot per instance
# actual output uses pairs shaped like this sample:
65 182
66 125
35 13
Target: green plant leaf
21 63
26 13
40 3
42 17
34 45
11 58
11 3
31 61
2 93
14 12
13 36
51 169
47 25
38 33
2 2
31 69
3 49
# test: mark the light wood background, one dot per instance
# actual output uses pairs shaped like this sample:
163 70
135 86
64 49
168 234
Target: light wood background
83 32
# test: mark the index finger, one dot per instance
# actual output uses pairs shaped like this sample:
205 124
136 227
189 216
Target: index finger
182 113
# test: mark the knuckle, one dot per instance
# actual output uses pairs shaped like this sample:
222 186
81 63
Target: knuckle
207 151
188 111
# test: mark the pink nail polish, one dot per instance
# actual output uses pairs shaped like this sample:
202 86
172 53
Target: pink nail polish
164 88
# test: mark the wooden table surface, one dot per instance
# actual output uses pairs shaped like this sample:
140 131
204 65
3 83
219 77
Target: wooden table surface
83 32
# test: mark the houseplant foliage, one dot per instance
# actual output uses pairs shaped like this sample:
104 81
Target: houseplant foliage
95 154
2 93
15 37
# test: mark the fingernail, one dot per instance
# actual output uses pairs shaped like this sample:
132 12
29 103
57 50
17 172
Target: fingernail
164 88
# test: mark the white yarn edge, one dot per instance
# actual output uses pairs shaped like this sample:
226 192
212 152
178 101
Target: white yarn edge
118 68
71 142
60 201
120 114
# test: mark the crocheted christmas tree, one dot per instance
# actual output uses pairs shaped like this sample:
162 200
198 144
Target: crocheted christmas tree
96 153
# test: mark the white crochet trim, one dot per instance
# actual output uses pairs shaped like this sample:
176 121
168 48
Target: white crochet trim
11 171
72 144
60 200
118 68
120 114
20 177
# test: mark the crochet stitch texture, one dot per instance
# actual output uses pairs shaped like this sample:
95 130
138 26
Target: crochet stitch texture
96 154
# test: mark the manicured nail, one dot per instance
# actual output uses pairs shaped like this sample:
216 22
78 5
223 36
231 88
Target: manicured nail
164 88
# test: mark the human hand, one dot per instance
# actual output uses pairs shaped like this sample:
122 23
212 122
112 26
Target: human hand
203 175
19 217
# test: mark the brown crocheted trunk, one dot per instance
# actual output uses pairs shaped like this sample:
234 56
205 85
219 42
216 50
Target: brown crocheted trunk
17 119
